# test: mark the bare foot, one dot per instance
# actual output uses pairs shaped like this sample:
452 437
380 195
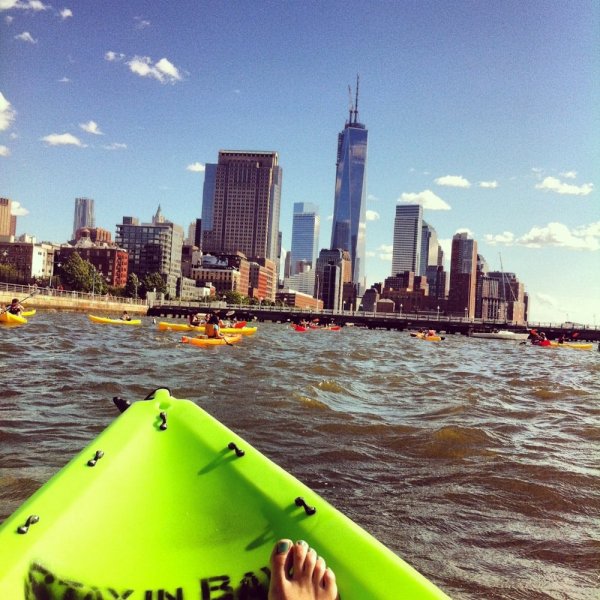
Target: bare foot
297 573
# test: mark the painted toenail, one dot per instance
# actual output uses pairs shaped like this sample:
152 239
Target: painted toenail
283 547
301 543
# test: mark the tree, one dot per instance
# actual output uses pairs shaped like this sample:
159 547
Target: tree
234 297
132 286
151 282
76 273
81 275
8 272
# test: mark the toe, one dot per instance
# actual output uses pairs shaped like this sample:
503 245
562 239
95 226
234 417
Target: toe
300 551
280 556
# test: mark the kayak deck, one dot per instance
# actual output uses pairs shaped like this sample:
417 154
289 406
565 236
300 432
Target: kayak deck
10 319
179 506
108 321
227 340
167 326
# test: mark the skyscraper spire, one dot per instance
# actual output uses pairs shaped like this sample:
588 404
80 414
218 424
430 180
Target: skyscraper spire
349 210
356 101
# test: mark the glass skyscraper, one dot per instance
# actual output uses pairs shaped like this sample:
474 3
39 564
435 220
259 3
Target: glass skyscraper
349 209
305 236
84 214
408 229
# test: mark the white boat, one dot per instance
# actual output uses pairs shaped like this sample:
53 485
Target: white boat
503 334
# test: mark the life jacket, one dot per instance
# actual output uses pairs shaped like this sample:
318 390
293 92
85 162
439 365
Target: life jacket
211 330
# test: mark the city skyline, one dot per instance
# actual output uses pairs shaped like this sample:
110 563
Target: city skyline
494 126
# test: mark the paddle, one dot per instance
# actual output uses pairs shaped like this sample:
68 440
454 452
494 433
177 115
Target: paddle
20 302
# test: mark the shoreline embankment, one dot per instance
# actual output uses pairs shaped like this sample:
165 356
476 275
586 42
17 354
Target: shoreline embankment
73 301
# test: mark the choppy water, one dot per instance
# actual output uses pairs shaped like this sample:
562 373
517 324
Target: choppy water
477 461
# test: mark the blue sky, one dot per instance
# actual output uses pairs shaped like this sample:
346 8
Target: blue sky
484 112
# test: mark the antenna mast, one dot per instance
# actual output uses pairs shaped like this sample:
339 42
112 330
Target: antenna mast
356 101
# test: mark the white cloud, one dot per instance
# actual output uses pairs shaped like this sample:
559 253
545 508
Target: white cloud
26 37
163 71
35 5
62 139
553 184
385 251
4 151
426 198
446 245
453 181
196 167
465 230
141 23
65 13
91 127
546 299
111 56
8 19
372 198
372 215
586 237
506 238
18 210
64 80
7 113
115 146
488 184
569 175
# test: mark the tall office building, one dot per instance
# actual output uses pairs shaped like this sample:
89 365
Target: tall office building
241 201
333 274
7 220
305 237
153 248
349 209
84 215
429 248
408 229
463 276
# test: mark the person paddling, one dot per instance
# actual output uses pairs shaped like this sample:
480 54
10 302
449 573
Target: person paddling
15 307
213 325
125 316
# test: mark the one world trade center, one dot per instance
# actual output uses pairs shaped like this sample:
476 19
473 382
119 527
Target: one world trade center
349 209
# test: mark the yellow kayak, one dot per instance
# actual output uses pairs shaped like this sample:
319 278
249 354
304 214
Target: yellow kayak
108 321
28 313
575 345
427 338
204 341
166 326
7 318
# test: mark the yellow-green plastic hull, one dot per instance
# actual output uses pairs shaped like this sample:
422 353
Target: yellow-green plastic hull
170 510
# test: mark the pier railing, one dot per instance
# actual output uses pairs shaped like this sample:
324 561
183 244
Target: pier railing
373 320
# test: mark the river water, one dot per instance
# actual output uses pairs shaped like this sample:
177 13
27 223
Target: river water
475 460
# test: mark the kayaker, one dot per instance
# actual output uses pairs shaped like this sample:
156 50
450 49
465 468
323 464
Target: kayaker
15 307
310 578
431 332
194 319
125 316
213 324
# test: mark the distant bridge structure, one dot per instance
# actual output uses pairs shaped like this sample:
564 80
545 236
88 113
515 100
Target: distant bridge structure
373 320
